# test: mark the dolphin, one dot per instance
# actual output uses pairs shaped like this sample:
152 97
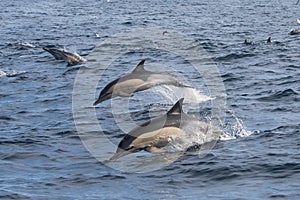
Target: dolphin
157 133
71 58
246 42
138 80
295 31
25 45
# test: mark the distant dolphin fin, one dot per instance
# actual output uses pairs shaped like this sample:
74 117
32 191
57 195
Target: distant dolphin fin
177 108
139 67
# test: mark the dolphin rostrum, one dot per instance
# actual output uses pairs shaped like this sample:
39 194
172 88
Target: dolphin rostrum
138 80
71 58
157 133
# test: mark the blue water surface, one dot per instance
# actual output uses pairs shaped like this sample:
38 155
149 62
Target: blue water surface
42 156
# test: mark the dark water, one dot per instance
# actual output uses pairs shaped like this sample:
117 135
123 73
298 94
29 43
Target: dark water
42 156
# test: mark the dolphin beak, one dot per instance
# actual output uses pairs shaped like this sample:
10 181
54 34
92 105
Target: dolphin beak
97 102
119 155
101 99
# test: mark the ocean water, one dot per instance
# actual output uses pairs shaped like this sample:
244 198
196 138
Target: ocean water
53 142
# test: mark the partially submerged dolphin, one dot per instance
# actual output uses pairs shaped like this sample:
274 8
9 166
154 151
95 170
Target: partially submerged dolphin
71 58
246 42
138 80
295 31
157 133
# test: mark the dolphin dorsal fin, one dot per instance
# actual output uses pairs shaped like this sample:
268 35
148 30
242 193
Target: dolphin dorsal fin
139 67
177 108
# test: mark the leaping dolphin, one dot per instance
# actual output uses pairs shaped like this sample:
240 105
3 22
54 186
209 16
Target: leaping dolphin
71 58
157 133
138 80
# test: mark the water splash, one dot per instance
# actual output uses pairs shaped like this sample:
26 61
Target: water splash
25 45
11 73
197 133
235 128
190 95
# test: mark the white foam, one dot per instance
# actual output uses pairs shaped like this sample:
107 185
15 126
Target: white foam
236 129
25 44
190 95
11 73
2 73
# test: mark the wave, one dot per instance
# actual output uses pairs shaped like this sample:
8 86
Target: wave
234 128
233 56
6 194
229 77
277 96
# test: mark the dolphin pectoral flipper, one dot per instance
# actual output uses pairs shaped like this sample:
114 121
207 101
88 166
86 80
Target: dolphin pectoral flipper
153 149
124 94
145 86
